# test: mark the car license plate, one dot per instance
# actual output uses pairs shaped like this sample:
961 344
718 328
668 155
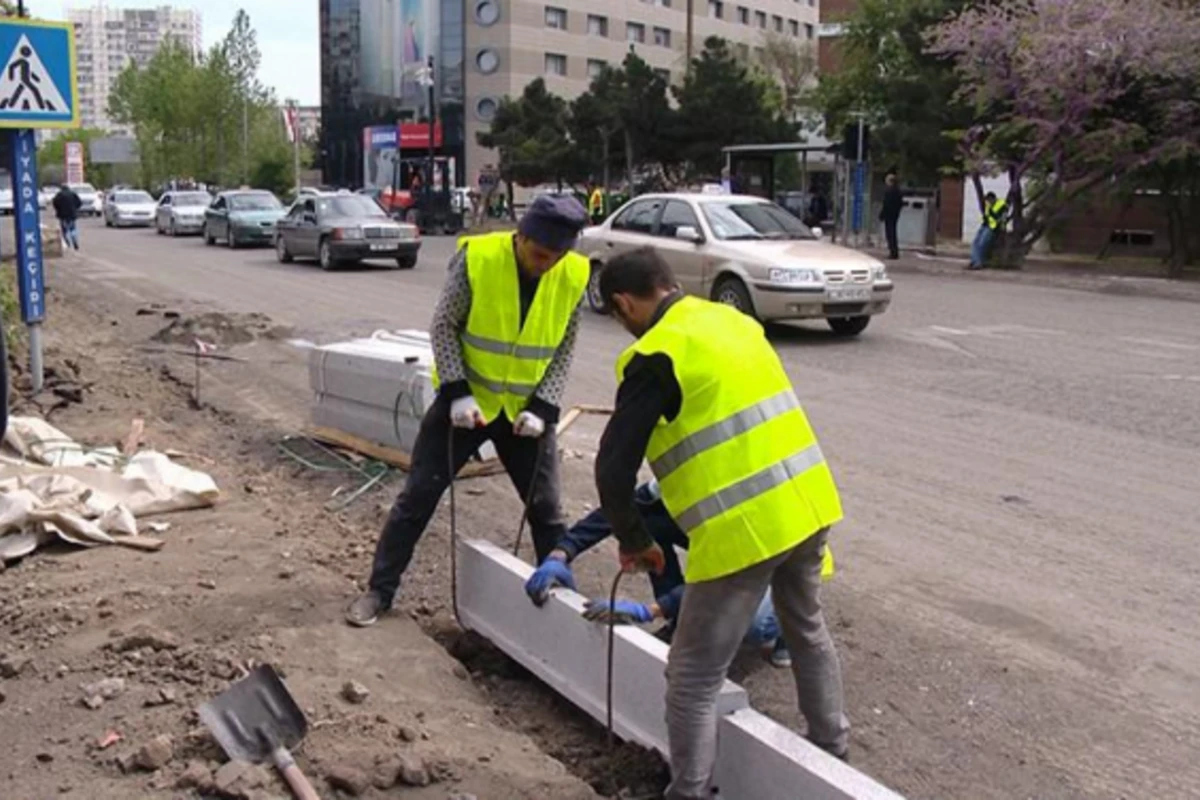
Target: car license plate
381 246
850 294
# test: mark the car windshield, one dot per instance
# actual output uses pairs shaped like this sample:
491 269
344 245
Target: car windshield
253 202
192 199
746 219
349 206
133 197
82 187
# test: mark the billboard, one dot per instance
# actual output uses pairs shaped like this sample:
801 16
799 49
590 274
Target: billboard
397 36
74 162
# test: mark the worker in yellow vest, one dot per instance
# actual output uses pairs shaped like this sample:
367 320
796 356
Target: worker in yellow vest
596 206
503 338
704 398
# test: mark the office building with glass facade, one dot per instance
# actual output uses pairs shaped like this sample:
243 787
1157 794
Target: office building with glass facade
372 52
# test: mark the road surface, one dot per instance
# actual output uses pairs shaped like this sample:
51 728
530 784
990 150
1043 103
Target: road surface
1020 567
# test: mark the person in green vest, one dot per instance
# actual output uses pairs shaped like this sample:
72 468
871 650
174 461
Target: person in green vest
995 211
596 205
704 398
503 337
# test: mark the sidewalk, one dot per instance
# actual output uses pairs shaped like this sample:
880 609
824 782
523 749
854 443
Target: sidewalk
1061 273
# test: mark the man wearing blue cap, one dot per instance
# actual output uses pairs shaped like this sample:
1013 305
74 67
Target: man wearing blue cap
503 339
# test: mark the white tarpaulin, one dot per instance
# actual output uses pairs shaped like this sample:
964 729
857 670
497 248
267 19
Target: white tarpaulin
86 497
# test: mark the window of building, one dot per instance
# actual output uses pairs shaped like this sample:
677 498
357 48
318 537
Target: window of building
743 15
595 67
556 18
597 25
808 31
760 19
488 60
635 32
556 64
777 21
486 108
743 51
487 12
793 27
716 9
662 37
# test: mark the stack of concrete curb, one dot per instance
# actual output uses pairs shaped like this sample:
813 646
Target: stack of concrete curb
757 758
376 389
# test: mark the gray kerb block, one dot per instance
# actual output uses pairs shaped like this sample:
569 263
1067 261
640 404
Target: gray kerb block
568 652
757 758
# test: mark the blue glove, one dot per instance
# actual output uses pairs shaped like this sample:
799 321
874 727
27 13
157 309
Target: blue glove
624 612
551 573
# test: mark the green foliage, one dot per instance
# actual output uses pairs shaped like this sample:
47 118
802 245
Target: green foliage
530 134
187 113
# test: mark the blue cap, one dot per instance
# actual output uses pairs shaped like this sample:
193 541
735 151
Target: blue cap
554 221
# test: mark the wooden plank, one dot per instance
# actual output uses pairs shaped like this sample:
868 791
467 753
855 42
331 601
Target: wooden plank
390 455
146 543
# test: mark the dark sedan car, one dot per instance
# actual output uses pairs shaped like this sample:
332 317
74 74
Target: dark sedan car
344 228
243 217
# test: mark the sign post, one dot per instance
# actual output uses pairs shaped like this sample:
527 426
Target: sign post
38 89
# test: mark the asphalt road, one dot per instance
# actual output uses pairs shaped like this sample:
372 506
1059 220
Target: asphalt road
1020 565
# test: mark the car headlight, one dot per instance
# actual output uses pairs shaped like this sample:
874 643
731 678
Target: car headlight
790 276
352 233
880 274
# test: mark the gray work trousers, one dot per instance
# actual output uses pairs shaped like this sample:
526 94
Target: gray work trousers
712 622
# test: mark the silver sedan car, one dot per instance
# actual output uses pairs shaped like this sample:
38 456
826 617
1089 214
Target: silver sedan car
181 212
749 253
129 207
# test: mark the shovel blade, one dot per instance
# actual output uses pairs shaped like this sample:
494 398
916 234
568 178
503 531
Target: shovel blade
254 716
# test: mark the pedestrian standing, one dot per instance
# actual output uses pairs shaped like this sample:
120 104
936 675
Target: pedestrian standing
66 207
596 205
704 398
503 338
994 213
893 204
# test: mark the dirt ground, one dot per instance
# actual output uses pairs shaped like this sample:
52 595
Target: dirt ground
104 651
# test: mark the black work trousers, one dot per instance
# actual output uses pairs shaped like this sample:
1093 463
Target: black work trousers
429 478
893 239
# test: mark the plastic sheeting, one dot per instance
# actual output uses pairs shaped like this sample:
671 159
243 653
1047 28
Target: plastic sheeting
56 489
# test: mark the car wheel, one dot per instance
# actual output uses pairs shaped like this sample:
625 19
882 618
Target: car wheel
406 262
230 239
595 301
208 237
848 326
325 256
281 250
732 292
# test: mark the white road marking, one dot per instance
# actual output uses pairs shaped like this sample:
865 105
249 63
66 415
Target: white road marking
951 331
1161 343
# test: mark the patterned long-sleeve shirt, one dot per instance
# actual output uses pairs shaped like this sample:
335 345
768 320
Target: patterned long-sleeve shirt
450 320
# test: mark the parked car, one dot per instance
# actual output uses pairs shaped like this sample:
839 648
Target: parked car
6 202
242 217
93 202
344 228
181 212
749 253
129 208
46 196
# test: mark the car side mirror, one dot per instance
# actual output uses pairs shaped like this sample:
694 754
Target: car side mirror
817 232
688 233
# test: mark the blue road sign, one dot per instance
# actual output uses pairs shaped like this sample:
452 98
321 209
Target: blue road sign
38 85
30 283
860 191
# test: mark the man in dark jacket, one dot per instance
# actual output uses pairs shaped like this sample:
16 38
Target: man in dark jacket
893 204
66 208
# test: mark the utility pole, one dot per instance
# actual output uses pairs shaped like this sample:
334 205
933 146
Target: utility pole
430 82
294 129
245 134
689 36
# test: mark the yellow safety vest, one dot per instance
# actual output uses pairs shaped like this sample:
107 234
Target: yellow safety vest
739 467
505 360
994 213
596 203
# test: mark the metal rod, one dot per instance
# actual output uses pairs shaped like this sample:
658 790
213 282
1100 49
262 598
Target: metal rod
36 371
691 16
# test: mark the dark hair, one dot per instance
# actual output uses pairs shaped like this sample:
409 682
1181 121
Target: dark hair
990 194
639 272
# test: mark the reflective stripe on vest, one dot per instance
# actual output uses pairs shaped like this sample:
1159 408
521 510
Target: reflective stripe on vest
739 467
505 359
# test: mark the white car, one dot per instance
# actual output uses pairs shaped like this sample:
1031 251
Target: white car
129 208
6 202
181 212
93 204
46 196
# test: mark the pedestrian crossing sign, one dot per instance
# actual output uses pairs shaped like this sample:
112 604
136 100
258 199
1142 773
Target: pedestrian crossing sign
38 84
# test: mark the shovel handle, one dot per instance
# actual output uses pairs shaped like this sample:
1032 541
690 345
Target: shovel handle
291 773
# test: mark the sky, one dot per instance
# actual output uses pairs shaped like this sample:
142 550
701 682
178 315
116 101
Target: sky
287 36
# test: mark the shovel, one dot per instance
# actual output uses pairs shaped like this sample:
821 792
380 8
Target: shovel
257 720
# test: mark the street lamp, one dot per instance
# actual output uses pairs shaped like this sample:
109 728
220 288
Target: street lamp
425 77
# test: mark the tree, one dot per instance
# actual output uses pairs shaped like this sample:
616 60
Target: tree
240 49
1070 95
530 133
792 66
722 103
907 94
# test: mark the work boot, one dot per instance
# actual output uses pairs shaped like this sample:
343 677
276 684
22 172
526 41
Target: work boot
365 609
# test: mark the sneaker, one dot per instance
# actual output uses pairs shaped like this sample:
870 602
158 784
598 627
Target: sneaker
365 610
780 657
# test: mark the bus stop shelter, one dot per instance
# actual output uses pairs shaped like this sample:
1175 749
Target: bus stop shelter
754 164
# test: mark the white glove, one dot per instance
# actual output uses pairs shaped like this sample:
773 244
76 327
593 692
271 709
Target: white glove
465 413
529 424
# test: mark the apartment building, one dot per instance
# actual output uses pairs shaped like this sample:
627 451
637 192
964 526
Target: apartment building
109 39
485 50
